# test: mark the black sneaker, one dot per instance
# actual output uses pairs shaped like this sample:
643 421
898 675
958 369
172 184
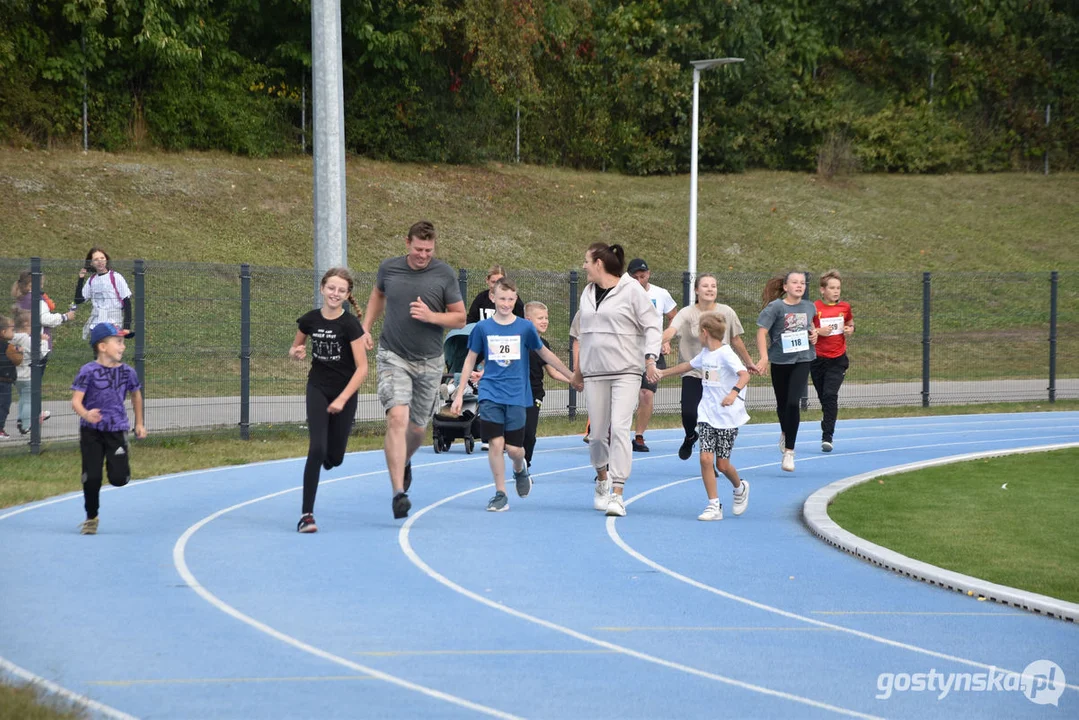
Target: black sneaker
826 444
307 524
687 446
401 506
638 444
408 476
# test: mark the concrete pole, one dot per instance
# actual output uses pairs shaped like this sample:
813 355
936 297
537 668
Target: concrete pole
327 85
693 183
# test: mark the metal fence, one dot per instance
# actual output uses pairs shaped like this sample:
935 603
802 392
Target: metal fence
211 340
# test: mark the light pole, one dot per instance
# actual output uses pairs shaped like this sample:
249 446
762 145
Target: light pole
698 66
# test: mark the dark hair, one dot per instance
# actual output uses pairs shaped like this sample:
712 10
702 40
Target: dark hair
504 283
344 274
423 230
22 285
613 257
90 255
830 275
773 289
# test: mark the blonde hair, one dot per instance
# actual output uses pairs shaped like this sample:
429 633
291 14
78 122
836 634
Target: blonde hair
531 307
495 270
830 275
714 324
22 317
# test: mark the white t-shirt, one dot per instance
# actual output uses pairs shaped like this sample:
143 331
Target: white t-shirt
661 299
22 341
687 323
719 369
106 299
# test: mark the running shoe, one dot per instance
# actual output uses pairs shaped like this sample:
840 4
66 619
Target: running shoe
524 482
603 493
826 444
499 503
788 461
741 502
88 527
638 444
616 506
401 506
687 446
714 511
306 524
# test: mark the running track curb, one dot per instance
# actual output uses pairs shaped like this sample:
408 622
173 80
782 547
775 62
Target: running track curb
815 512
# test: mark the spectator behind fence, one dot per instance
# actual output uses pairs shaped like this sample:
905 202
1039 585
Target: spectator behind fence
10 359
483 305
22 382
107 291
662 300
21 292
785 340
421 298
687 326
620 333
338 368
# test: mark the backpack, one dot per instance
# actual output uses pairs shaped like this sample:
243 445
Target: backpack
8 371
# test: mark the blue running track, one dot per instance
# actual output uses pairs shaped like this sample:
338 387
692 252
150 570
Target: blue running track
198 599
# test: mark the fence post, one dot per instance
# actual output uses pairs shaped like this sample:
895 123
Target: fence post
686 297
245 351
35 356
571 408
1054 279
926 281
462 282
140 323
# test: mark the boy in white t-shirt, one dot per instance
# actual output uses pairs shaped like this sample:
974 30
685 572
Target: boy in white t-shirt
721 412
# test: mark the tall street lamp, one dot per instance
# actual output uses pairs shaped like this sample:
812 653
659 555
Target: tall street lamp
698 66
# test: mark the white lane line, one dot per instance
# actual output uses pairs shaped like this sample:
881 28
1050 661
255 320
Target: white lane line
180 562
54 689
612 532
406 547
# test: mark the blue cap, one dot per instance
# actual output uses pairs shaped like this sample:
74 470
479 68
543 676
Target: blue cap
102 331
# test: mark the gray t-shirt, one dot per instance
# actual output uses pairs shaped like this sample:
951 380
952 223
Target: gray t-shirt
788 329
436 284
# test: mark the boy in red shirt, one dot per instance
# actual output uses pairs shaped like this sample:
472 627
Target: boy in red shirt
835 323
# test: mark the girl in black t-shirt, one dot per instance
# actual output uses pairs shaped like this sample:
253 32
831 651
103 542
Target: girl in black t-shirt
338 368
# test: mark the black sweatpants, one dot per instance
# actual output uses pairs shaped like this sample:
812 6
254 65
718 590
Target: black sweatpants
828 374
531 424
329 439
692 390
102 447
788 382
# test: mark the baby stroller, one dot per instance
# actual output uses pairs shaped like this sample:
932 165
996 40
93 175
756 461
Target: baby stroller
446 426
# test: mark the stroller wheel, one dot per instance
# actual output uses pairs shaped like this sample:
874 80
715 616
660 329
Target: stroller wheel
438 445
470 445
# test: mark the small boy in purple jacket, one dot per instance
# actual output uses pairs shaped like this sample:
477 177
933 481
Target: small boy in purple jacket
98 399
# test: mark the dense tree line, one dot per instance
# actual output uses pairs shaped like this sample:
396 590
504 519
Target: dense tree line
885 85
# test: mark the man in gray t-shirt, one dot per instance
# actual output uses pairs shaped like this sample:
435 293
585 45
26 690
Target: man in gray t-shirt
420 298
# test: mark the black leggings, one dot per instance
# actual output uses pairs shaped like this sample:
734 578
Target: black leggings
100 446
828 374
789 382
692 390
531 423
329 439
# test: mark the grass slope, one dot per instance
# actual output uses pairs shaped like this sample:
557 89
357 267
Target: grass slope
217 208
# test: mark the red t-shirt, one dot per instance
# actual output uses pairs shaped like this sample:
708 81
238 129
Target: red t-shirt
838 315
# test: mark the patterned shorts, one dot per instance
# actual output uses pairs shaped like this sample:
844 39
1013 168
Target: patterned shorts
718 441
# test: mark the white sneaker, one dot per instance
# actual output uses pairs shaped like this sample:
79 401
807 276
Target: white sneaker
826 446
788 461
484 447
714 511
603 493
741 502
616 506
45 416
782 442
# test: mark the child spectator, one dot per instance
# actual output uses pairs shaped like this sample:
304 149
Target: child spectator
835 323
505 391
721 412
98 399
22 383
10 359
536 313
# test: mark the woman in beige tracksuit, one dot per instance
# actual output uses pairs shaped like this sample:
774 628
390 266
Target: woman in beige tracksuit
620 332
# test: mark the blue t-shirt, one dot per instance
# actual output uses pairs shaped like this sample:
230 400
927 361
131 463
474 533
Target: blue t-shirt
105 388
504 350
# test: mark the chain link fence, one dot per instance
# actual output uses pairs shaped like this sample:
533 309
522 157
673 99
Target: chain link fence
212 340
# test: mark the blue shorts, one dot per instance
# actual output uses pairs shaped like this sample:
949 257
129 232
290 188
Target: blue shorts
510 417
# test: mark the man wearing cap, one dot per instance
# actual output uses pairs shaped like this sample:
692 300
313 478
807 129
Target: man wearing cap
662 300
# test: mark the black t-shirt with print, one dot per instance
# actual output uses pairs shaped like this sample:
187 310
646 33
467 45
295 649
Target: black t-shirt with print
332 362
535 371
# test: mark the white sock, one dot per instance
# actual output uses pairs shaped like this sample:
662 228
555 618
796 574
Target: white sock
740 489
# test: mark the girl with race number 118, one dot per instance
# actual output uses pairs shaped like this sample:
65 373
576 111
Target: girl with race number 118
785 340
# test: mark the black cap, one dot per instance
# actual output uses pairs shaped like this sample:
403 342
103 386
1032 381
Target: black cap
636 265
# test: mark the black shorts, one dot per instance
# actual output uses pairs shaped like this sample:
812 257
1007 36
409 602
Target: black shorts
661 363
